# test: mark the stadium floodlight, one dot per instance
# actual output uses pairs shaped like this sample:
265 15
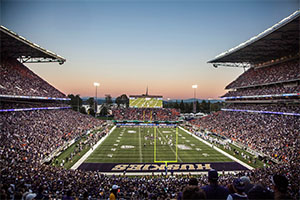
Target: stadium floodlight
194 105
95 101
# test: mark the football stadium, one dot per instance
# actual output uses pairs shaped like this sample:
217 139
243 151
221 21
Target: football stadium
250 149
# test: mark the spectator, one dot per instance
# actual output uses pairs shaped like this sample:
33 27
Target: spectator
193 182
280 185
259 192
248 185
213 190
114 192
239 188
68 196
193 192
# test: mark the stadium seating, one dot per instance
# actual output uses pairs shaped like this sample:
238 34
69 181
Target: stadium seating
151 114
263 90
38 133
274 135
286 108
17 79
282 72
18 104
27 137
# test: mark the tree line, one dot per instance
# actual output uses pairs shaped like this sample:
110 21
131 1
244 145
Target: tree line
187 107
76 103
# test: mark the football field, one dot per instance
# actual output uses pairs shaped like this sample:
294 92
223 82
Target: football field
145 103
153 144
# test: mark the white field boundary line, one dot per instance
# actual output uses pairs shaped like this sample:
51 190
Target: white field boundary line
219 150
87 154
140 146
169 145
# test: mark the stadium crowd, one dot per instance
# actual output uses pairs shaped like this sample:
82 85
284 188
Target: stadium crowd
27 137
273 135
286 108
31 180
30 136
35 134
152 114
17 79
263 90
20 105
281 72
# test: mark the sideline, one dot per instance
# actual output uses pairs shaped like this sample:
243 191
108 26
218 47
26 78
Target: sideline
87 154
219 150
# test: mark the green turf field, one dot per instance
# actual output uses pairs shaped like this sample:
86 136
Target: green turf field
136 145
145 103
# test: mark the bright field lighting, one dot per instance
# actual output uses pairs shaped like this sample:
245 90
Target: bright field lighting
96 84
194 86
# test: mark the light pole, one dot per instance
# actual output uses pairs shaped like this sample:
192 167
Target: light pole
95 104
194 87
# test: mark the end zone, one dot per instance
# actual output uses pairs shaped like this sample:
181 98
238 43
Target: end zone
149 168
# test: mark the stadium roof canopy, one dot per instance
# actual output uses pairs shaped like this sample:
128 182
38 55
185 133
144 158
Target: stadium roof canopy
278 41
15 46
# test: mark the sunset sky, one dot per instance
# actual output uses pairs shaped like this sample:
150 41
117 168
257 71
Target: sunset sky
126 45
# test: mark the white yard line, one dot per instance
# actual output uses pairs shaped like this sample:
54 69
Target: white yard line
219 150
143 103
156 103
87 154
169 145
140 144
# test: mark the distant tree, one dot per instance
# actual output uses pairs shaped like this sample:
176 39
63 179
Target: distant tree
176 105
123 99
91 112
108 99
197 106
205 106
75 102
208 107
216 106
82 110
181 106
104 111
91 102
